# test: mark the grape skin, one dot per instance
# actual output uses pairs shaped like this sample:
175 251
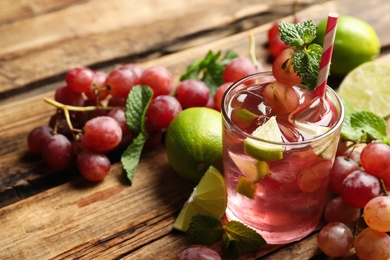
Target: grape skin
37 136
192 93
377 213
120 82
342 167
102 134
159 79
93 166
162 110
66 96
238 68
219 94
374 158
335 239
80 79
371 244
199 253
57 151
337 211
358 188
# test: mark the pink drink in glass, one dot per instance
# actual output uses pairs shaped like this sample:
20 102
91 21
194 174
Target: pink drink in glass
286 203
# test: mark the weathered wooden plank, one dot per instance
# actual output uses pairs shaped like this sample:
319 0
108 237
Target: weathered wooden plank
95 32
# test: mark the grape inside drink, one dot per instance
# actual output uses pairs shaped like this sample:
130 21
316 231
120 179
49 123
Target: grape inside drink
288 178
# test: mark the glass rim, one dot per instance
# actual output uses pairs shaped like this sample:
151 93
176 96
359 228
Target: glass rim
333 129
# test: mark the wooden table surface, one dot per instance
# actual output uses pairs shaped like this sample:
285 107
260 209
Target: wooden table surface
48 214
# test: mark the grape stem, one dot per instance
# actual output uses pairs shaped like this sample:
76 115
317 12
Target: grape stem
67 108
252 51
383 187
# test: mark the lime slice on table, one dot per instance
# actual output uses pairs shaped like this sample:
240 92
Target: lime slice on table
208 198
261 150
367 88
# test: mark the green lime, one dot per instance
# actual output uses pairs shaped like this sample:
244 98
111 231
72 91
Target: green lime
265 151
208 198
367 88
356 42
252 169
193 142
246 187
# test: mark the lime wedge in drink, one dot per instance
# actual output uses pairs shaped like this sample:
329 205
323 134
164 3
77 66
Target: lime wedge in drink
264 151
208 198
243 117
246 187
254 170
324 147
367 88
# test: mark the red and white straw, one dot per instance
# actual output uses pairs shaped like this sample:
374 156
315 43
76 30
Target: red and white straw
326 57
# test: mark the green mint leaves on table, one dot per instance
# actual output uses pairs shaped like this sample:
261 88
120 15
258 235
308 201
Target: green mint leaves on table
137 104
210 69
364 127
307 56
236 236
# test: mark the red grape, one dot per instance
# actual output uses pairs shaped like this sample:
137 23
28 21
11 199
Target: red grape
358 188
238 68
335 239
337 211
342 167
102 134
120 81
273 31
93 166
192 93
66 96
120 116
276 46
99 90
199 253
57 151
135 68
80 79
219 94
377 213
36 138
159 79
374 158
283 69
162 110
282 98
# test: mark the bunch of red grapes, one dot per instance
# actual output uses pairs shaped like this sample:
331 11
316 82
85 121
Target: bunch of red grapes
90 118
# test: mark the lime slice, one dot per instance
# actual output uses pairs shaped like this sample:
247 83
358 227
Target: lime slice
265 151
254 170
246 187
208 198
367 88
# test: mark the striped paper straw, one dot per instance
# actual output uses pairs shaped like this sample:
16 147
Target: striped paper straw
326 57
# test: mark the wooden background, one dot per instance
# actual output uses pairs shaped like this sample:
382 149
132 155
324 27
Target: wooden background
48 214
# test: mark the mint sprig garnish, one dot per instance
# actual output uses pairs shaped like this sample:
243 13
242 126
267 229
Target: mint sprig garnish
307 55
137 104
209 69
236 236
364 127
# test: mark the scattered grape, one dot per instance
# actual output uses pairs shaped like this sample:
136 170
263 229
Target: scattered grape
358 188
342 167
219 94
57 151
93 166
192 93
36 138
371 244
337 211
159 79
335 239
80 79
162 110
199 253
102 134
374 158
377 213
237 69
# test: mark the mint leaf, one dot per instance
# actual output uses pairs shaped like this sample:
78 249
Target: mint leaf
204 230
137 104
306 64
297 35
130 157
246 238
364 127
230 247
210 69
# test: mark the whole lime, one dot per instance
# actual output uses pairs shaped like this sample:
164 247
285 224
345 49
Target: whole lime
356 42
193 142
